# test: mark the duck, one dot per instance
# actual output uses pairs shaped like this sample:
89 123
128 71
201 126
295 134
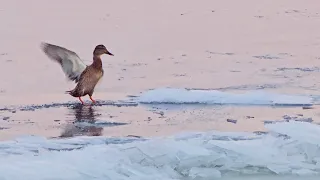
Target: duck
86 76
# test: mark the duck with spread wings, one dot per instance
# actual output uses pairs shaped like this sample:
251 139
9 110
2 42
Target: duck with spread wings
74 68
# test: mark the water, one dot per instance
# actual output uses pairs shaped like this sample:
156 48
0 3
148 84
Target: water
157 44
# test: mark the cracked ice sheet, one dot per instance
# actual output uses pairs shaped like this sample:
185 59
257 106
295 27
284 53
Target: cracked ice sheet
291 149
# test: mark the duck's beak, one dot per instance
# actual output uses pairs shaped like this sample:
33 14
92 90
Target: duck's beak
109 53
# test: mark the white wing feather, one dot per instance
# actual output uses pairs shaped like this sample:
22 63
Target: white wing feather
70 62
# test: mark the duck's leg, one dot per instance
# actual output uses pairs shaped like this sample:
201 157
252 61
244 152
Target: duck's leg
92 99
81 101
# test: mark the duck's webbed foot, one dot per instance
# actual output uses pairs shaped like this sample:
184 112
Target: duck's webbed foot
81 101
93 101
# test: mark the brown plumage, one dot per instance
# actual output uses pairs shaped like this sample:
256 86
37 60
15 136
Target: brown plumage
85 76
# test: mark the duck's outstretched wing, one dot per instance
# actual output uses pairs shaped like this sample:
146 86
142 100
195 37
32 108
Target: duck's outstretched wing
70 62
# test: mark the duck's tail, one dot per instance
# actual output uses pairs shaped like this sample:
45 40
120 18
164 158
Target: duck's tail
68 92
72 93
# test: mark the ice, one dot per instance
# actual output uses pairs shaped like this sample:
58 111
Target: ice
209 155
204 173
184 96
293 129
303 172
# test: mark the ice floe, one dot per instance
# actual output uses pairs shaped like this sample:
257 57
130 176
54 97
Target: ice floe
290 148
185 96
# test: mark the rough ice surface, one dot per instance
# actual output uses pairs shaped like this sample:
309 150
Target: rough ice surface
291 148
183 96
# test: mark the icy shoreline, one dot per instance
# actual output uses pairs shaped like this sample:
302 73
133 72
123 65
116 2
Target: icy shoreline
291 148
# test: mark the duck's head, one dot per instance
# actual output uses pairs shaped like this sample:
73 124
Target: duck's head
100 50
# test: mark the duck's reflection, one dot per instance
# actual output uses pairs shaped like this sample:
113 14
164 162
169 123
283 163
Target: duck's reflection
83 122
